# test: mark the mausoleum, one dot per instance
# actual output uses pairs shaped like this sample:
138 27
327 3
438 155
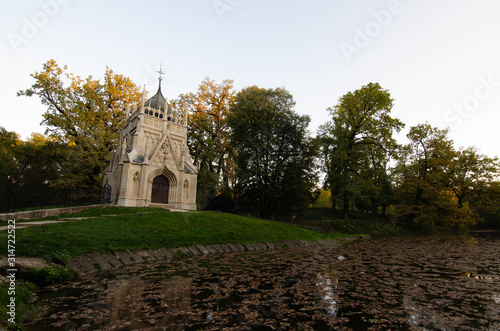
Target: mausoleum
151 165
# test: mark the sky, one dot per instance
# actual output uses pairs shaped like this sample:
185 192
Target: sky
440 60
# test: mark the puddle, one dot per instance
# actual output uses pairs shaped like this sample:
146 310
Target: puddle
399 284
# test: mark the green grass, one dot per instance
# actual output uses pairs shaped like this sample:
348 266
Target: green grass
154 229
330 220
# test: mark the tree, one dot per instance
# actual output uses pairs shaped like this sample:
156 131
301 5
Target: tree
439 185
209 136
376 189
488 204
27 170
436 183
9 142
274 154
421 172
471 174
85 115
326 145
322 199
359 141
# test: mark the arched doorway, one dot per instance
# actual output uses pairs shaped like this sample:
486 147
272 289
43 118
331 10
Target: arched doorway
159 191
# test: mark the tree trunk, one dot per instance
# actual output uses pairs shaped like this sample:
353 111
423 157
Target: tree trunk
346 206
374 208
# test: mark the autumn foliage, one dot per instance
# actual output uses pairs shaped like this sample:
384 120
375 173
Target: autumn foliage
255 154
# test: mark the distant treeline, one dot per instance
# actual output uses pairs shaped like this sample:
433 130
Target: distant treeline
255 154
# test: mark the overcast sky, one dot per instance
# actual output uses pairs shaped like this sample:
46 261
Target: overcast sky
439 60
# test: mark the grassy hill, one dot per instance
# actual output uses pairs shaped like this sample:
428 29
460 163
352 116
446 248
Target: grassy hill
330 220
122 228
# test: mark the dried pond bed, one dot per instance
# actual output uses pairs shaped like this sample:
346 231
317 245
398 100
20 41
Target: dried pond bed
447 283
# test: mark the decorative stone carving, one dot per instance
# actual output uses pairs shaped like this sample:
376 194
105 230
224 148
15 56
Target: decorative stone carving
185 191
137 176
176 147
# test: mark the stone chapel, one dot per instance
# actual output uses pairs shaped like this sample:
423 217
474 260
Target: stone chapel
151 165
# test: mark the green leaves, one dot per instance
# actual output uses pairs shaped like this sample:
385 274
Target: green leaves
437 183
357 144
27 169
275 156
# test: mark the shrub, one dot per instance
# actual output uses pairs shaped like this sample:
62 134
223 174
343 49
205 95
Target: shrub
52 274
61 257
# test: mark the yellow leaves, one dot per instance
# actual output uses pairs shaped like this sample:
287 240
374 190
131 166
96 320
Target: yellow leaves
83 111
37 139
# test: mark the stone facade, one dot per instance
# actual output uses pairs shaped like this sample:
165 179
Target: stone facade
151 164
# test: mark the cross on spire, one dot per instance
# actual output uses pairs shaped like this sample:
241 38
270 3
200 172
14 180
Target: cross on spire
160 73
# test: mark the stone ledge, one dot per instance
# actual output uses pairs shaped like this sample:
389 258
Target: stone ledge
203 249
211 249
42 213
235 248
194 250
226 248
219 249
240 247
95 261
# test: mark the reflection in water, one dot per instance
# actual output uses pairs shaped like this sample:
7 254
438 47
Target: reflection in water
128 297
326 283
404 283
419 317
123 305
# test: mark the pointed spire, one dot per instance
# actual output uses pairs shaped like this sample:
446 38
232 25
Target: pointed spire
143 98
160 78
158 101
185 113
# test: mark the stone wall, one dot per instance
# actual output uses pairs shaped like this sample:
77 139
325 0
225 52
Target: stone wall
41 213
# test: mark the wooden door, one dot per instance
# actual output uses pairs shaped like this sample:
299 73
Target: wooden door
159 193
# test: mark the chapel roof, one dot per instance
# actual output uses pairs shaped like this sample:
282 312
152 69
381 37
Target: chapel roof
157 101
